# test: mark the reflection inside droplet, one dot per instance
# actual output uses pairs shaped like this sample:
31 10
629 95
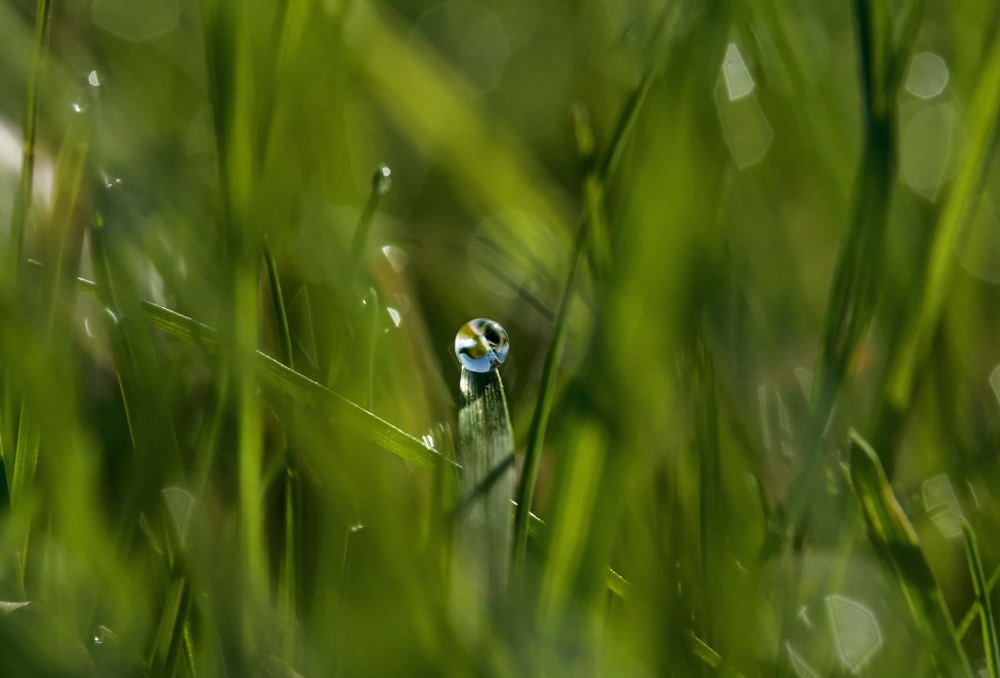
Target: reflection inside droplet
481 345
93 79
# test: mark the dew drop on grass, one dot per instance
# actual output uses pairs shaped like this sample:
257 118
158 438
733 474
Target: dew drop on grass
481 345
93 79
382 181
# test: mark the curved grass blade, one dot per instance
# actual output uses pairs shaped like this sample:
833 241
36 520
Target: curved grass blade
894 539
982 589
292 383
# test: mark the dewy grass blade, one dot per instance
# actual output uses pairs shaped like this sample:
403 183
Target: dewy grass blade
292 383
982 589
485 442
894 539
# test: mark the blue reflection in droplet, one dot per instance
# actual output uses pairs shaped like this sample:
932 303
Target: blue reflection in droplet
481 345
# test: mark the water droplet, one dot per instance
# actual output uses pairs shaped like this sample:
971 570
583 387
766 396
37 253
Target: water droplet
855 630
93 79
103 634
394 314
799 665
738 80
481 345
396 256
928 75
111 314
77 108
942 506
136 21
382 181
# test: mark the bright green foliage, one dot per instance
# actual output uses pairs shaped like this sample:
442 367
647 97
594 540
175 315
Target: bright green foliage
720 235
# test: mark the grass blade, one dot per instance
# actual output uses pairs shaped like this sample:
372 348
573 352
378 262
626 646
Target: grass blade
292 383
485 443
982 590
970 614
894 539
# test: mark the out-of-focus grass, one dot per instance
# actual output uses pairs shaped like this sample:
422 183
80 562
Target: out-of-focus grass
245 425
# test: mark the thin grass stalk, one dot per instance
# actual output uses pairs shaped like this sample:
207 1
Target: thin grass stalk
970 615
289 577
982 589
604 170
381 182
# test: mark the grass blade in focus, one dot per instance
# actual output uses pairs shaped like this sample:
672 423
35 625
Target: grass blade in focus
894 539
485 444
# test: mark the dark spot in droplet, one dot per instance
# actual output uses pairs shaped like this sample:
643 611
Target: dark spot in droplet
492 335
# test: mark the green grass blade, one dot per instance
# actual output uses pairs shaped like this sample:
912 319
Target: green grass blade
557 345
970 615
894 539
982 590
23 198
485 444
279 307
575 511
26 457
292 383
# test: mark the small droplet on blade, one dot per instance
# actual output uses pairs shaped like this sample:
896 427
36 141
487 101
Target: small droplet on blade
481 345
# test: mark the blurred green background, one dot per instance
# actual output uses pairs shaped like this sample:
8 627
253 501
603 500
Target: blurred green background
799 237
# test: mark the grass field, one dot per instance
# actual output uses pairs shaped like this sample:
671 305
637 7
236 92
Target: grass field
746 254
